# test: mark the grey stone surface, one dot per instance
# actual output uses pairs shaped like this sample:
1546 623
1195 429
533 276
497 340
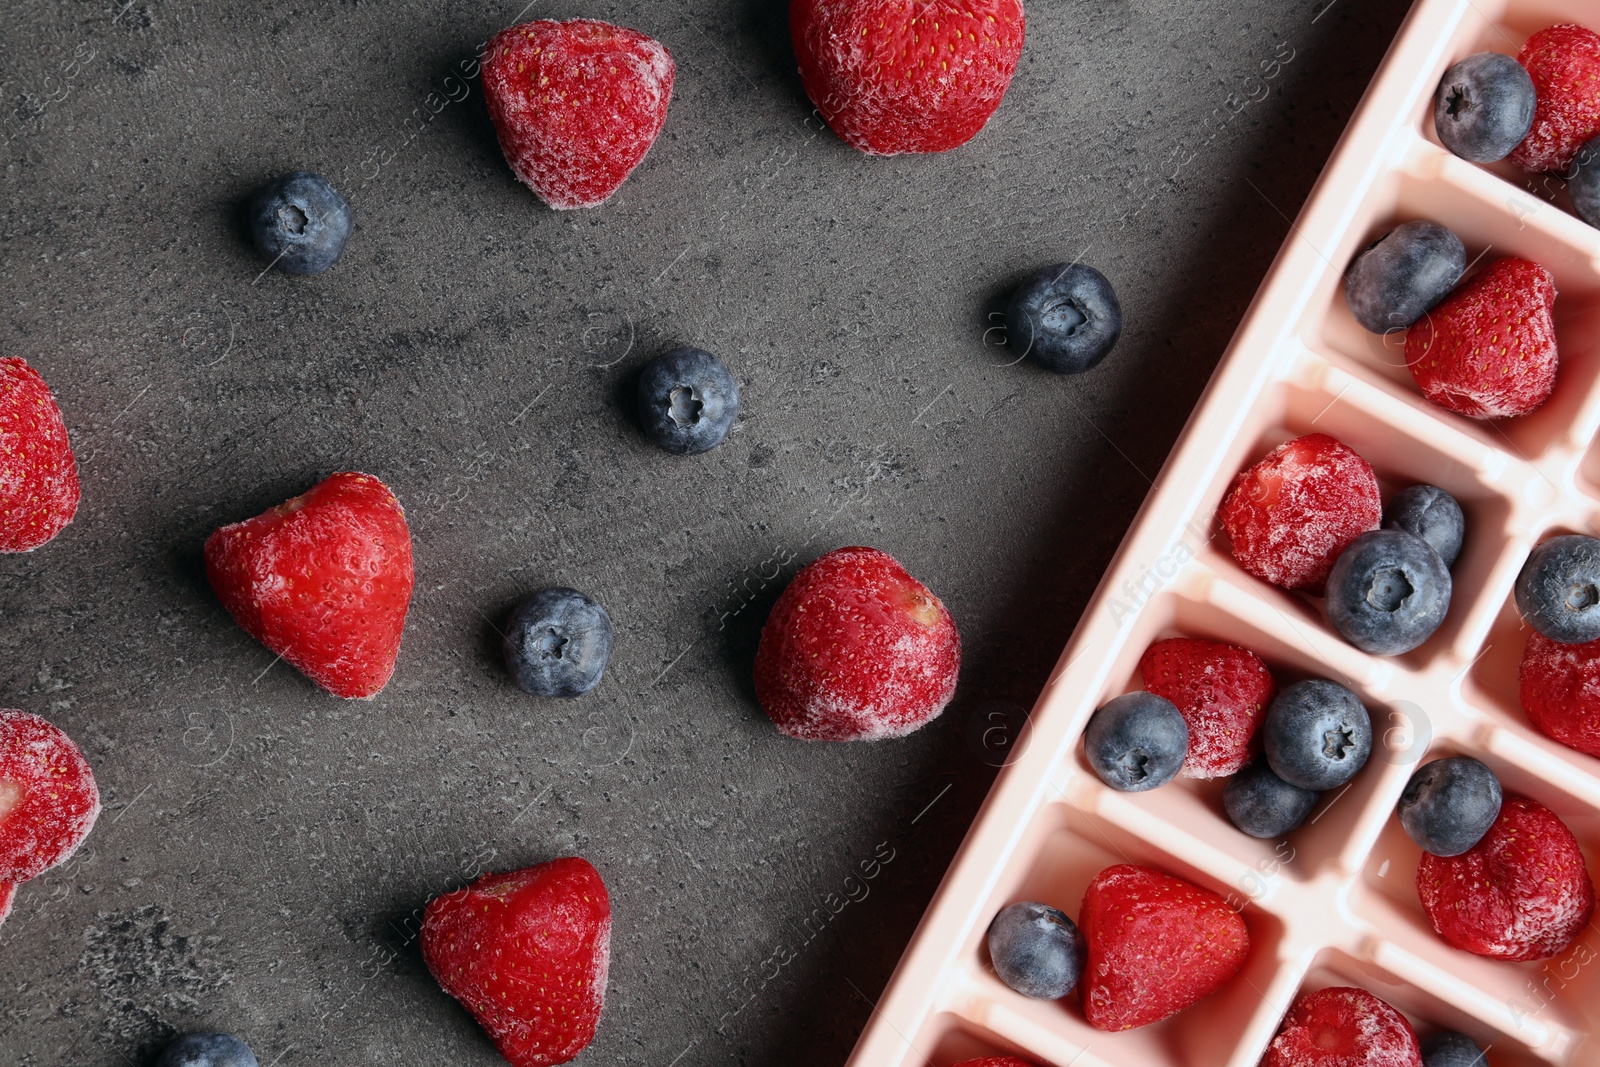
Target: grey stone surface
264 847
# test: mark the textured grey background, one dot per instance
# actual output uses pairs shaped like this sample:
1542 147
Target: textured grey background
264 847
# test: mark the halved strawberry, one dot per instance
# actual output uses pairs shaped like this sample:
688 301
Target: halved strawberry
1342 1026
48 797
38 473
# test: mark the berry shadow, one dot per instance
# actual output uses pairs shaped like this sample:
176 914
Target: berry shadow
766 25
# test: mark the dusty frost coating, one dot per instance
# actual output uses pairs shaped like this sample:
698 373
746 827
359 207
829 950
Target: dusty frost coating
38 473
1290 515
1522 893
48 798
1223 704
1342 1026
576 105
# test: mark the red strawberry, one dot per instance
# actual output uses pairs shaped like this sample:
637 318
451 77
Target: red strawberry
1561 690
894 76
1488 350
1521 893
323 580
1290 515
8 895
1223 692
48 799
526 953
576 105
856 650
1564 62
1342 1026
1156 945
38 475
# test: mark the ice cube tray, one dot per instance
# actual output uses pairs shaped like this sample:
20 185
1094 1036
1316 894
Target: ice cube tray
1335 903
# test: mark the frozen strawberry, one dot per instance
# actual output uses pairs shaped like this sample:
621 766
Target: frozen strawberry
323 580
1223 692
526 953
38 475
1342 1026
1488 350
576 105
1290 515
1521 893
1564 62
893 76
856 650
8 896
1156 945
1561 690
48 799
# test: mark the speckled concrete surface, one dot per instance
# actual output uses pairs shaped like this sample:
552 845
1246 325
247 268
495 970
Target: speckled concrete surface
265 848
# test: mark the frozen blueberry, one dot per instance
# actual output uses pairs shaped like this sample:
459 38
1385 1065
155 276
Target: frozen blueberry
1558 591
1317 734
1036 950
1433 515
687 401
300 223
1136 741
1065 318
1583 183
208 1050
1484 107
1402 274
1264 805
1449 804
557 643
1449 1048
1388 592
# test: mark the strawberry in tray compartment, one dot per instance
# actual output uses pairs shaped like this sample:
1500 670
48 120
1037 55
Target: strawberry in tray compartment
38 474
526 953
891 76
1221 690
323 580
1157 944
1564 62
1560 689
48 797
1341 1026
1520 893
576 105
856 650
1488 350
1289 516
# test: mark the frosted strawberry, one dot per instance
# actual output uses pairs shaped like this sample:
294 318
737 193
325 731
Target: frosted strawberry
576 105
38 473
891 76
48 797
1290 515
1564 63
856 650
1560 689
1342 1026
323 580
1520 893
1222 691
1157 944
527 953
1488 350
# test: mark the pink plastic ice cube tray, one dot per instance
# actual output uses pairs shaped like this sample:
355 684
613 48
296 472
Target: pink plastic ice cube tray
1334 903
